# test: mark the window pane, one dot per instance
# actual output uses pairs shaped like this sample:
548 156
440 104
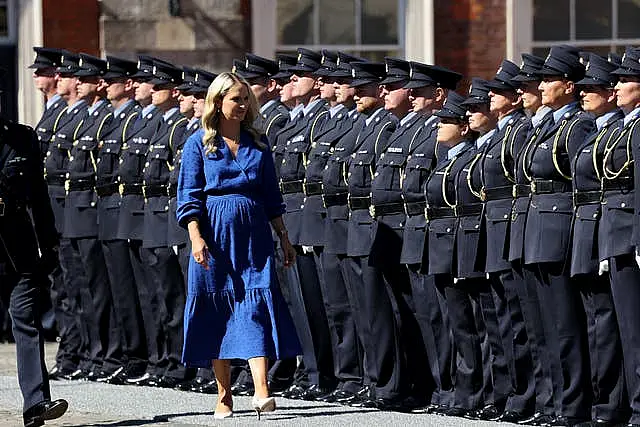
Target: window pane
4 22
295 22
551 20
628 18
593 19
377 55
542 52
600 50
379 22
337 22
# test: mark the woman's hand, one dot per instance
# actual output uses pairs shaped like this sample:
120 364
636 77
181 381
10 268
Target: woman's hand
200 252
288 251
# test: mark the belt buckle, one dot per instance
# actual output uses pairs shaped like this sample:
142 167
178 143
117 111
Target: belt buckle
324 203
281 186
514 191
372 211
533 187
2 206
406 209
483 194
426 213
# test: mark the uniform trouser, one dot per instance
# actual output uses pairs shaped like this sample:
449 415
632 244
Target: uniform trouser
610 401
565 330
625 276
431 315
530 305
126 304
347 355
381 343
521 389
463 305
163 272
183 252
24 308
68 280
105 334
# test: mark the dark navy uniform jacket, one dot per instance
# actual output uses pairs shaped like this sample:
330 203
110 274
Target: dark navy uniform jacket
23 195
57 159
279 144
80 210
159 164
618 225
587 197
522 193
49 121
272 120
468 192
133 156
421 160
112 138
548 163
176 234
361 167
386 191
293 166
498 176
335 189
314 214
439 254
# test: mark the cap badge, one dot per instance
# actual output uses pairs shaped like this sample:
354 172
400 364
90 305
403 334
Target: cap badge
548 57
386 67
153 70
411 72
80 62
499 70
234 69
139 63
323 59
581 60
353 73
299 56
624 56
246 63
183 75
522 64
587 66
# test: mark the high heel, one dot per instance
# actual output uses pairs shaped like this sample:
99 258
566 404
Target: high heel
267 404
222 415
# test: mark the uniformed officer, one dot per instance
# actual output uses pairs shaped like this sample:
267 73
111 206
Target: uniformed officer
528 81
411 387
547 231
56 167
439 258
283 79
381 341
162 267
618 232
80 217
133 154
28 244
122 280
44 76
598 98
497 177
429 86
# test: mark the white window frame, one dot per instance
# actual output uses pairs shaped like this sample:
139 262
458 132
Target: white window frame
12 22
357 47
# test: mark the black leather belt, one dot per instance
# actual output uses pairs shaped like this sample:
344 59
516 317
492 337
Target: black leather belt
334 199
497 193
312 188
549 186
581 198
156 190
414 208
126 189
472 209
439 212
107 189
618 184
387 209
521 190
80 184
356 203
288 187
56 180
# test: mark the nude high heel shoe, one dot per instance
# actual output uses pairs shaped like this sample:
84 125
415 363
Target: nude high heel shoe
267 404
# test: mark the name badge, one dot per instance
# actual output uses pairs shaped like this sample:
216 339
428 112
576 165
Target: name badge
395 150
298 138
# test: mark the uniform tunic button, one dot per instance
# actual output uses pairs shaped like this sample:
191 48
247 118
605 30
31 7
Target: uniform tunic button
359 163
301 206
555 208
93 204
376 174
448 230
166 208
505 217
71 158
595 215
137 151
477 226
157 156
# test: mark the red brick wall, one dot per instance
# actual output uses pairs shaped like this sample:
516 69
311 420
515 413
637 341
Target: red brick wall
72 25
470 36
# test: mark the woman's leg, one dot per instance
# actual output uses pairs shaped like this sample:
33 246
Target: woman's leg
259 367
222 371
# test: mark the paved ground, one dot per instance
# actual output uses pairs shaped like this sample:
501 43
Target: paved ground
103 405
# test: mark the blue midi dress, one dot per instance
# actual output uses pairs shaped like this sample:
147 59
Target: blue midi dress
235 309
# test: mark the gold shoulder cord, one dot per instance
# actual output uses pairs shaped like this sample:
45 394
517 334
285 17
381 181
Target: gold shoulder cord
173 131
305 156
413 138
375 147
55 124
469 183
402 171
126 126
554 152
503 153
91 154
525 154
444 182
277 116
594 157
608 173
75 132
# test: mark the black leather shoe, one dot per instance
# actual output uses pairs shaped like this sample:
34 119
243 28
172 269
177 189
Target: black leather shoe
168 382
294 392
337 396
145 380
456 412
315 392
210 387
242 389
538 419
77 375
364 398
277 386
58 373
488 413
118 377
513 417
44 411
392 405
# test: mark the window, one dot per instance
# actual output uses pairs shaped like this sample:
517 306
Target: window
368 28
7 21
599 26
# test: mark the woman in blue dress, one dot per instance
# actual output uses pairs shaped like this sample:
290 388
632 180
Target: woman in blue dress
227 196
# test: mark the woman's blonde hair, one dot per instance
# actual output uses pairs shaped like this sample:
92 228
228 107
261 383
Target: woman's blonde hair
211 116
